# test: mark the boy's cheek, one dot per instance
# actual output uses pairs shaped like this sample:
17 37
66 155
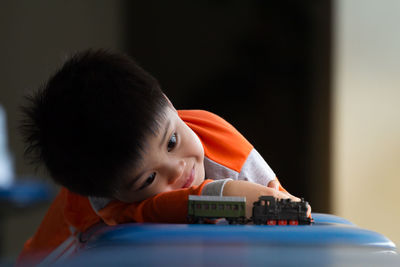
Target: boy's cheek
200 177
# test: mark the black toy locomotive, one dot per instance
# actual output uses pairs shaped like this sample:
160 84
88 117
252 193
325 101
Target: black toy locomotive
267 210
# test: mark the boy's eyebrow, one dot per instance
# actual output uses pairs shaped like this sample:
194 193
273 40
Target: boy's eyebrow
165 133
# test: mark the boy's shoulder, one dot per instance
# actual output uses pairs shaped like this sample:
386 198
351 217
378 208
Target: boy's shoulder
222 142
204 118
198 113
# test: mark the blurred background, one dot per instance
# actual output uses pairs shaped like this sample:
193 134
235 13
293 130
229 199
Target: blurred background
313 85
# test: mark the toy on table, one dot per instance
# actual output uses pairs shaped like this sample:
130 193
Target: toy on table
208 208
271 211
267 210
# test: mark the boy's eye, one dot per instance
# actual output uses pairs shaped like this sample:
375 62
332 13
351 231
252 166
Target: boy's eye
148 181
172 142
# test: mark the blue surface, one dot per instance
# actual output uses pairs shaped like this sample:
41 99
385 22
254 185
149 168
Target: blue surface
331 240
328 230
231 256
24 193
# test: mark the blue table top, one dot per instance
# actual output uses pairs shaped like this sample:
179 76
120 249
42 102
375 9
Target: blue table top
328 230
331 240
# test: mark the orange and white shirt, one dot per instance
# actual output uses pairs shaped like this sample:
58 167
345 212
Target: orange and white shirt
228 155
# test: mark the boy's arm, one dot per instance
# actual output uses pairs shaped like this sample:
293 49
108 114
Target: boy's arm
167 207
171 207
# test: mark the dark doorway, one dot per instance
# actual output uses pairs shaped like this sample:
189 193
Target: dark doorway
263 66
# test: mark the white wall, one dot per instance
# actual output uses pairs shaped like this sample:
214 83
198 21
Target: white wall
35 37
366 114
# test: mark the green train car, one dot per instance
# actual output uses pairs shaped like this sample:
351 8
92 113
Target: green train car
207 208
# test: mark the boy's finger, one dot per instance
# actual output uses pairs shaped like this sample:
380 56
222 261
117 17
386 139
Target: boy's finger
284 195
294 198
309 211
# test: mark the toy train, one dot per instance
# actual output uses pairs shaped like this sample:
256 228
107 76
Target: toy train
267 210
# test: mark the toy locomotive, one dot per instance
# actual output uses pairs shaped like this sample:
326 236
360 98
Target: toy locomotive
267 210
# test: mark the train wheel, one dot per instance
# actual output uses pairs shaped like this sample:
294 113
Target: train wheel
293 222
271 222
282 222
209 221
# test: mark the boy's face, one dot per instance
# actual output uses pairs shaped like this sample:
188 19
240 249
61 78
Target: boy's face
174 160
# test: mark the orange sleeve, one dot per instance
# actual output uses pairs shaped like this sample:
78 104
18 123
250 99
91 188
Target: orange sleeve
52 232
68 209
217 135
168 207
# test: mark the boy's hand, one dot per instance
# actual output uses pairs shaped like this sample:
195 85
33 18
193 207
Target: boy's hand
252 192
275 185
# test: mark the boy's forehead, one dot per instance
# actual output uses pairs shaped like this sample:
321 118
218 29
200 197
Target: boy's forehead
150 146
166 116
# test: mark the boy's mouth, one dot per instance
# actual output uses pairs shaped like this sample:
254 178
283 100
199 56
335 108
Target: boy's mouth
189 179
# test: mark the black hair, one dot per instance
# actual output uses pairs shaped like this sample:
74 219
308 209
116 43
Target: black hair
89 123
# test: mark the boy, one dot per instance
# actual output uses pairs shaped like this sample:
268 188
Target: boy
122 153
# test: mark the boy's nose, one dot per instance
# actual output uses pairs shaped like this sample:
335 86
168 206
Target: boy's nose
175 171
